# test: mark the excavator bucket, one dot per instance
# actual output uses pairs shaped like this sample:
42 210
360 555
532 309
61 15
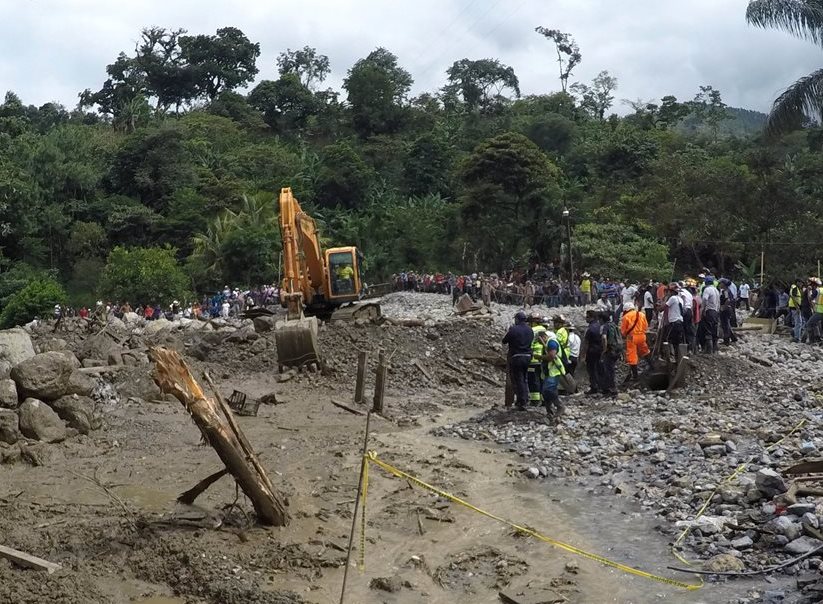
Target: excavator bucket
296 342
360 311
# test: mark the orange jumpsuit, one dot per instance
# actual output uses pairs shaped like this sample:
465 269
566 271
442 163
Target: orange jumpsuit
633 327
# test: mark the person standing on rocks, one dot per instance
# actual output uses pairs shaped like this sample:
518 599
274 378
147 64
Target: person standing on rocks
574 345
633 326
726 312
591 351
559 323
674 319
610 342
553 368
486 292
711 314
795 301
535 372
816 298
519 341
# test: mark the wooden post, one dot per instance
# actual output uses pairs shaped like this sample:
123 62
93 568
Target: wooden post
762 268
379 383
172 375
508 397
360 384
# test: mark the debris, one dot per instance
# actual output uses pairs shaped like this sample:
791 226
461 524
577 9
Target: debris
345 407
389 584
27 560
221 432
770 482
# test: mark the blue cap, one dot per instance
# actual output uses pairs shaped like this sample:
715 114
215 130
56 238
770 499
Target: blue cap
709 280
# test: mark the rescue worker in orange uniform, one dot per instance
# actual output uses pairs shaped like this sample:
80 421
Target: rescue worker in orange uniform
633 326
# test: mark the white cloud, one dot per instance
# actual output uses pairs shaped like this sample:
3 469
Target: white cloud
52 49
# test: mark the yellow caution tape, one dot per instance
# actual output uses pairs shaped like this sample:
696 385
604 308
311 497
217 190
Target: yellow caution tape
372 457
740 469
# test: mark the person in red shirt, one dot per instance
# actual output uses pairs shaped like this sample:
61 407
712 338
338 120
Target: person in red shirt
83 312
148 313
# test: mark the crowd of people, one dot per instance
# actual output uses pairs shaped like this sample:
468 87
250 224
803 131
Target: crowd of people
695 313
229 302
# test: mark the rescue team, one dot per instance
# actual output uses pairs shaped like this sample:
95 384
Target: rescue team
543 355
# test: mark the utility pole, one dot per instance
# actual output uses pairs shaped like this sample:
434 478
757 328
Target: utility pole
567 218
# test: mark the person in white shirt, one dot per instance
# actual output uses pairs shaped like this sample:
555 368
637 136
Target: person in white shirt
573 344
688 317
710 315
744 295
603 303
674 317
648 304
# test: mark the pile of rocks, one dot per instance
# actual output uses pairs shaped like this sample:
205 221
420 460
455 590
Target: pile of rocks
672 453
43 397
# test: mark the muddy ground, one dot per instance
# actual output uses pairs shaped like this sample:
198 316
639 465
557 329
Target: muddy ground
103 506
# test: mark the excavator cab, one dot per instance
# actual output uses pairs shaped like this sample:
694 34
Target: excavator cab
344 275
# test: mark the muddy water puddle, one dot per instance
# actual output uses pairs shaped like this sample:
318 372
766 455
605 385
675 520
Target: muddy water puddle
148 499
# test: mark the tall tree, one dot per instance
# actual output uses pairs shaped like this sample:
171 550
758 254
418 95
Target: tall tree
377 88
310 67
286 103
708 106
568 53
597 98
480 84
803 100
224 61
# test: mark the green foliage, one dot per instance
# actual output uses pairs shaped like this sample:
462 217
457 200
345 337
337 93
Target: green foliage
36 299
620 251
344 177
377 87
143 275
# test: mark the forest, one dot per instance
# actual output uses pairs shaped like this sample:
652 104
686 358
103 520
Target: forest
163 182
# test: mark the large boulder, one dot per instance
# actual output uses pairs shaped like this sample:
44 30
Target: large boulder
155 327
15 345
97 346
44 376
131 319
76 411
9 427
264 323
8 394
80 384
41 422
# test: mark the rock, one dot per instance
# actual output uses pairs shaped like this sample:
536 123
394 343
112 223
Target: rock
783 525
94 363
798 509
389 584
8 394
810 522
572 567
44 376
802 545
710 440
51 344
73 360
135 358
15 346
156 326
131 318
76 411
744 542
264 323
39 421
773 596
723 563
115 356
770 482
532 473
96 346
37 454
5 370
258 346
9 427
9 455
80 383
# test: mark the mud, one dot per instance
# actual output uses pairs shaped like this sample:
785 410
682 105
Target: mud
125 539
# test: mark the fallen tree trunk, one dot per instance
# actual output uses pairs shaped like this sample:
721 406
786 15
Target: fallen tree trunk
173 377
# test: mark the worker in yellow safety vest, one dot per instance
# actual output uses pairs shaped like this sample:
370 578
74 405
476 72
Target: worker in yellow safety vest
535 372
816 295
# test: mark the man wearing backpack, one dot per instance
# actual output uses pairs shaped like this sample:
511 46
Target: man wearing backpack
633 328
553 368
612 348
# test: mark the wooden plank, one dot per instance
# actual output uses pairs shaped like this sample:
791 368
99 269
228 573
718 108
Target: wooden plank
345 407
422 369
27 560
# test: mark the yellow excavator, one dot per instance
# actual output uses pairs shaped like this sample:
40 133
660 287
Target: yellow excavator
317 284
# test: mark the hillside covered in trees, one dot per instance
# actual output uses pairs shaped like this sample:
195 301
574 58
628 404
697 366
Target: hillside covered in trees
163 181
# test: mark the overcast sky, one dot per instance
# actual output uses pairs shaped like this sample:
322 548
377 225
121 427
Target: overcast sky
52 49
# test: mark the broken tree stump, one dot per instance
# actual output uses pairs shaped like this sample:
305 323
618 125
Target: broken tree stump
173 377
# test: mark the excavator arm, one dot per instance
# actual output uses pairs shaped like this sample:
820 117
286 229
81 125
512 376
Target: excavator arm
303 269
